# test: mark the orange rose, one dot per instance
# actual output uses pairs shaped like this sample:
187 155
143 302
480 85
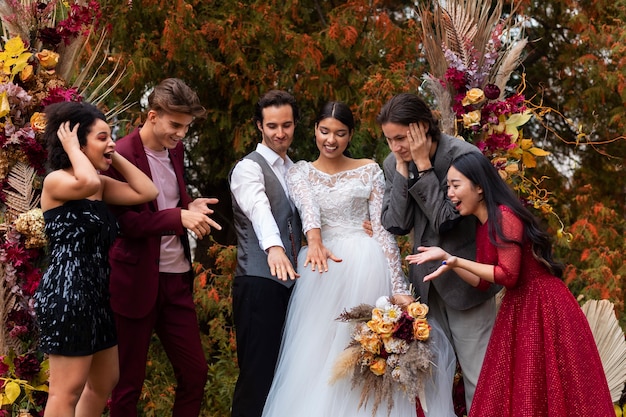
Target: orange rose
48 59
378 366
38 122
27 73
421 329
381 327
417 310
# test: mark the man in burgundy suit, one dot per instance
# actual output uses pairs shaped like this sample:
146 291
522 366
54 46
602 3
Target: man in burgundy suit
151 277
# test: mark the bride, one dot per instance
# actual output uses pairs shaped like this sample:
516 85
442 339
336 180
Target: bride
335 194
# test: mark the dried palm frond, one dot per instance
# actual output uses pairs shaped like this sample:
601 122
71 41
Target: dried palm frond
7 302
23 195
510 61
610 341
362 312
463 30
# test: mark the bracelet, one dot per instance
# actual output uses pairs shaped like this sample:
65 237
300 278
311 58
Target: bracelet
420 174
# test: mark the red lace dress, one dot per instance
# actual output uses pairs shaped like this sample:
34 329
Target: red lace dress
542 359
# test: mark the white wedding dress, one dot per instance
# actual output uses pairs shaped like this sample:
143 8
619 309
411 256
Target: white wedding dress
371 268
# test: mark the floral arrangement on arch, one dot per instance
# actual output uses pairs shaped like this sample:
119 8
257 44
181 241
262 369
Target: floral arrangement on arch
389 351
43 60
473 52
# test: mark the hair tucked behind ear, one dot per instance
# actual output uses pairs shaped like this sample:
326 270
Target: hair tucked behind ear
84 114
478 169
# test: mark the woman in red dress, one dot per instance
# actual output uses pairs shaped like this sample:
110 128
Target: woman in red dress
542 359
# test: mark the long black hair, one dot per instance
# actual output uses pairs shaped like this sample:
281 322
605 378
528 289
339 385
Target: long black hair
68 111
496 192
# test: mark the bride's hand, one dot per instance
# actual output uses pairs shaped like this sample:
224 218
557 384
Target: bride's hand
317 255
402 300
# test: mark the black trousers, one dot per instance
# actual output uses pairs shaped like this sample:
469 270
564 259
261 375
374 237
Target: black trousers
259 309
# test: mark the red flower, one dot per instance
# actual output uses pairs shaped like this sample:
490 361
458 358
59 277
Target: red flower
27 366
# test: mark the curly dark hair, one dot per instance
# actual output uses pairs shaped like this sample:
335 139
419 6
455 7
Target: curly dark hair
83 113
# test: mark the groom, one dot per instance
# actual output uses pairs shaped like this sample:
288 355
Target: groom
268 240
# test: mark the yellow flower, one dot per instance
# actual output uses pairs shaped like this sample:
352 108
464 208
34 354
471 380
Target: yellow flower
48 59
381 327
471 119
15 57
473 96
417 310
5 107
514 121
38 122
421 329
378 366
371 343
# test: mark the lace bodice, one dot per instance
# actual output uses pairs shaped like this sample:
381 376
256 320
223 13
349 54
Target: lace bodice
340 203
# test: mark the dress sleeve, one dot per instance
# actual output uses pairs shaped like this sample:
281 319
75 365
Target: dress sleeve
509 260
302 196
384 238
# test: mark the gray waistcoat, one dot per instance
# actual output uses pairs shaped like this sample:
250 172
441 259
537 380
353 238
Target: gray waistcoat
251 259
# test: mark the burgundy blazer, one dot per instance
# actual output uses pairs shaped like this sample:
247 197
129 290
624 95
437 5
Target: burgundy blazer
134 256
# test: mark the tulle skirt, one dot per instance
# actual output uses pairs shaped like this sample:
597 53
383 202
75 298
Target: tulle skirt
313 339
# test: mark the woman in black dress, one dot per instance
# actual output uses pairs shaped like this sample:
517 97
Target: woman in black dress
72 300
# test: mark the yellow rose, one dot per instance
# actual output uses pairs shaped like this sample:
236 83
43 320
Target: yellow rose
417 309
381 327
378 366
38 122
473 96
471 119
421 329
27 73
48 59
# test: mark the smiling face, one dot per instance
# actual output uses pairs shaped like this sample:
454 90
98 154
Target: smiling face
277 128
99 145
167 129
332 137
396 135
466 196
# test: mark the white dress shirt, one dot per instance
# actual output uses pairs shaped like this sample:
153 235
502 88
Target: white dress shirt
247 185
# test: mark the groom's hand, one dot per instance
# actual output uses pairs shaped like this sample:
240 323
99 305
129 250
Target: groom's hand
280 265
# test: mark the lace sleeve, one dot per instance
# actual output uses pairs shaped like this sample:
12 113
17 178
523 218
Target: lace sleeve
506 271
302 196
386 239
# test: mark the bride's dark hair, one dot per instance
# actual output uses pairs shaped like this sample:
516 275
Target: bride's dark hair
496 192
340 111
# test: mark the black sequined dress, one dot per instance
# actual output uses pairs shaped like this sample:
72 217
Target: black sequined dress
72 300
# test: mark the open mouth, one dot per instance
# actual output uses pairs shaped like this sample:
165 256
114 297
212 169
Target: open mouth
108 156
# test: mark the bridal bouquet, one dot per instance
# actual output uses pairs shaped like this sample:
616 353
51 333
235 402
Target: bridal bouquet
389 351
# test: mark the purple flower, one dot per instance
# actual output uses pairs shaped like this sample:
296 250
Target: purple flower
492 91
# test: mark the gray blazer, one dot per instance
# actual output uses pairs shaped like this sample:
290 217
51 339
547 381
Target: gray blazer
424 208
